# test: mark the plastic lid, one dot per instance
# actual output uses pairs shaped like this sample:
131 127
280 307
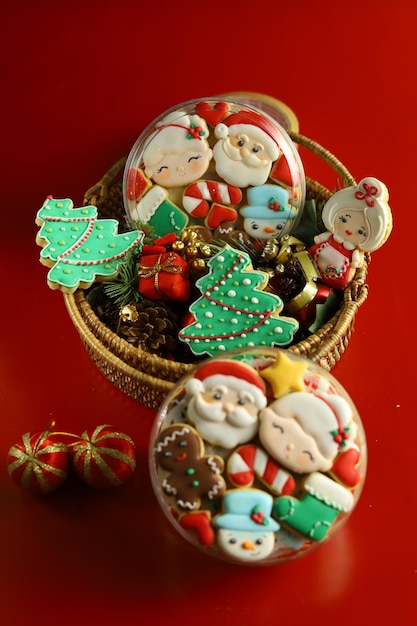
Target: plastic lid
213 162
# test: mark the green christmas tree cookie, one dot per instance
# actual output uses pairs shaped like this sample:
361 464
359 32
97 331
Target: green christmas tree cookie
233 311
77 246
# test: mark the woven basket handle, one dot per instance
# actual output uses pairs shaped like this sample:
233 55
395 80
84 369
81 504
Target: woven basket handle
324 154
100 189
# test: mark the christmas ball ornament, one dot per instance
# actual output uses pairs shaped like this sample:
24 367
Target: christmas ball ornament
257 456
37 463
104 457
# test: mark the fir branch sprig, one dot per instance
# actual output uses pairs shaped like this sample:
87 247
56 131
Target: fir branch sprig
123 290
147 229
252 247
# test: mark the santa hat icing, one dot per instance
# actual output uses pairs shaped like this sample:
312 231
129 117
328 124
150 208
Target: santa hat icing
237 374
256 126
325 417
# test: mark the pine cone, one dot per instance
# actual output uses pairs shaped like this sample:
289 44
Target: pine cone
150 326
104 308
288 283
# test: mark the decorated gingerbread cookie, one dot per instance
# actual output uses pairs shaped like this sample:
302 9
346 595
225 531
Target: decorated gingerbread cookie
191 474
233 310
223 401
275 438
358 219
78 247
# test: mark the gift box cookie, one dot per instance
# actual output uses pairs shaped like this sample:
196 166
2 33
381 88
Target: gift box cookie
257 457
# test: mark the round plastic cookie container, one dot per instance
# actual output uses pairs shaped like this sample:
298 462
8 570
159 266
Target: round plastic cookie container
258 456
206 162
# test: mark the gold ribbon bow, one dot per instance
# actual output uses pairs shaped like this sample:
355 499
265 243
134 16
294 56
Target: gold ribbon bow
169 265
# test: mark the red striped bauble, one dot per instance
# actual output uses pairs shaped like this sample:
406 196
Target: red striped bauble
37 463
104 457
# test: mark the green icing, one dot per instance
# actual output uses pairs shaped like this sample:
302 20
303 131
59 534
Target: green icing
232 311
78 246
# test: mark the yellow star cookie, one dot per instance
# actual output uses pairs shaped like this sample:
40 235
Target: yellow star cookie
285 375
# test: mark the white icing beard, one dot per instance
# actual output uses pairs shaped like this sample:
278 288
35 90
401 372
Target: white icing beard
239 171
218 427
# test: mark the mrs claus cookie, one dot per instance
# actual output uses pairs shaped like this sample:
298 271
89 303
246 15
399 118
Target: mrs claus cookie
358 219
258 457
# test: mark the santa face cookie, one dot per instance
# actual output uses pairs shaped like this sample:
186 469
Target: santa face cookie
258 457
196 163
223 403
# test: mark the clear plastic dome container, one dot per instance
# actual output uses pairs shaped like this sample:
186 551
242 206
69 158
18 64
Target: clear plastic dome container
217 162
257 457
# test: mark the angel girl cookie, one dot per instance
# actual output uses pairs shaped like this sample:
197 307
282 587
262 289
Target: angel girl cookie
358 219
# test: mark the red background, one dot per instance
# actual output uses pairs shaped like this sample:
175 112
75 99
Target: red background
79 82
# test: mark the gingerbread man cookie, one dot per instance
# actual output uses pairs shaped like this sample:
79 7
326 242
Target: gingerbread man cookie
192 475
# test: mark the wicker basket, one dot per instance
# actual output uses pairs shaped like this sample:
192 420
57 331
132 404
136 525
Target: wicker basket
146 377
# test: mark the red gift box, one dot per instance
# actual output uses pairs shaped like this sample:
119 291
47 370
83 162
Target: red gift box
163 275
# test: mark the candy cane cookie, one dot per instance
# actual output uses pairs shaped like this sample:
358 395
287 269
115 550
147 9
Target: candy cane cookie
198 196
249 462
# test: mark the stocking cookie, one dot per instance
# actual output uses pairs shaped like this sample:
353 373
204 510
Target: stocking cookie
314 513
192 475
